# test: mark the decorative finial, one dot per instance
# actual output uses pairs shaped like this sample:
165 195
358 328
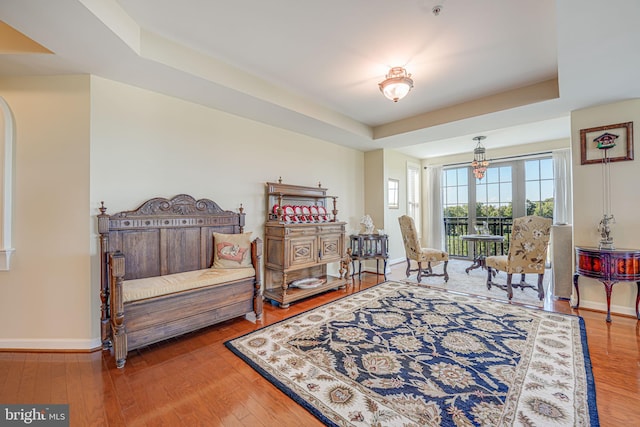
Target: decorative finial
241 209
280 180
319 184
102 208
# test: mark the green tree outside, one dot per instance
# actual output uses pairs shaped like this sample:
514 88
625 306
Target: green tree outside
456 220
543 208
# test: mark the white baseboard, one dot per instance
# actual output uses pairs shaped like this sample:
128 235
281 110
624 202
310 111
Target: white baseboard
371 269
50 344
615 309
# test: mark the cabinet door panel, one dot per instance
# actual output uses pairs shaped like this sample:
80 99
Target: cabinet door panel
302 251
331 248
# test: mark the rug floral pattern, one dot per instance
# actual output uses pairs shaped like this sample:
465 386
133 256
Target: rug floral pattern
402 355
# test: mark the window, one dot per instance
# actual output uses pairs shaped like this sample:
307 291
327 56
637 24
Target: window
455 183
539 187
494 199
510 189
394 189
455 201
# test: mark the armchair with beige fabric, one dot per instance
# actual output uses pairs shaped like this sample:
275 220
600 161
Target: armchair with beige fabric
415 252
527 254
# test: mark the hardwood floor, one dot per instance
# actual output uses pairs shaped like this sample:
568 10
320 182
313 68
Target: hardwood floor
195 380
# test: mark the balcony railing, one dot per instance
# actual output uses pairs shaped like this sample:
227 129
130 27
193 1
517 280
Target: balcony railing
456 227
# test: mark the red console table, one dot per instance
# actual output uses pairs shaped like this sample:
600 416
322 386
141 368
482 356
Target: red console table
609 266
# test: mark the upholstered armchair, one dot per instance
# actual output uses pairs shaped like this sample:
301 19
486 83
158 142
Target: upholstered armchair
415 252
527 254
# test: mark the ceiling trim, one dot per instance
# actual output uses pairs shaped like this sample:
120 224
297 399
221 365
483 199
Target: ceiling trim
507 100
13 41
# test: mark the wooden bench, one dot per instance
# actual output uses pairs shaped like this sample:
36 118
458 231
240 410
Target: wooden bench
169 241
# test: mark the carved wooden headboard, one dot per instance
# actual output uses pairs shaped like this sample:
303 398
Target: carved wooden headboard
166 236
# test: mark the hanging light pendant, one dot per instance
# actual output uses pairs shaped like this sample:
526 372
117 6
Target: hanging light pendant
397 84
480 163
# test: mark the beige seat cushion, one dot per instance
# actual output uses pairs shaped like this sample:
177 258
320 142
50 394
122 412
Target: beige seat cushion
139 289
498 262
432 255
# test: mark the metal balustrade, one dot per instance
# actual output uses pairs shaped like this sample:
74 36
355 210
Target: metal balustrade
454 227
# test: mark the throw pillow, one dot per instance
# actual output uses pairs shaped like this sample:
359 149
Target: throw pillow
231 250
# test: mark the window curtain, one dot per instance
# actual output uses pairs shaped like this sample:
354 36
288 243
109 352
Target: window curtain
563 203
433 225
413 195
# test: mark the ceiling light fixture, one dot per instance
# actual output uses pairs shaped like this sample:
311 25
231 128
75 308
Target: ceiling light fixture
480 163
397 84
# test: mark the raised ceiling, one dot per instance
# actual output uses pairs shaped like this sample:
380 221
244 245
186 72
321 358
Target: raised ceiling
510 69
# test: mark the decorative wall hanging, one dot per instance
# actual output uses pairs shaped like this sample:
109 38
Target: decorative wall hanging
603 145
593 141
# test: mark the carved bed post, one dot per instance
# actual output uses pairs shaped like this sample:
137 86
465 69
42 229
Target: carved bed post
103 229
116 265
256 255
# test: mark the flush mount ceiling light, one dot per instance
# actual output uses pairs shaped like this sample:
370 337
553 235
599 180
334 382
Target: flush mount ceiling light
397 84
480 163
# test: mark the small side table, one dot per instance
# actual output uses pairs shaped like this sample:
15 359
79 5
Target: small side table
479 256
609 266
369 246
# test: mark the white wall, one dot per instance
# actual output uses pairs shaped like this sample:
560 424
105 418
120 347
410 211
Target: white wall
587 201
144 144
45 298
380 166
395 165
84 139
373 184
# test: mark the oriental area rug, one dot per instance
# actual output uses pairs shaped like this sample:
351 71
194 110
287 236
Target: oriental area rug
475 283
398 354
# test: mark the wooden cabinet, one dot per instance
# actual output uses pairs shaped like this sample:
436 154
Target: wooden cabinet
297 251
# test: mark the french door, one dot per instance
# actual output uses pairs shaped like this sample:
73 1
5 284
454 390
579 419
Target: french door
508 190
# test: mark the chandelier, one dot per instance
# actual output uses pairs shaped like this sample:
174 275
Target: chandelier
397 84
480 163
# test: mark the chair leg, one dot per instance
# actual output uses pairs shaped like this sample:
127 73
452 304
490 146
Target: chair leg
446 275
509 287
523 283
427 271
540 288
